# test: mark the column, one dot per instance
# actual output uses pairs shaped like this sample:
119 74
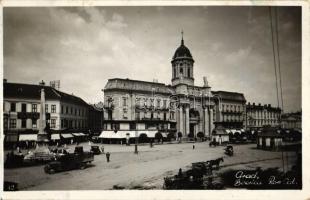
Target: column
206 122
187 121
211 122
181 120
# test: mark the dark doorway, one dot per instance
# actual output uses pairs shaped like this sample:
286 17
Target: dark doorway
191 128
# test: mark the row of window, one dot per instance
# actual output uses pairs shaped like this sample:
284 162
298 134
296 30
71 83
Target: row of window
232 118
147 102
231 108
12 124
264 114
73 111
70 123
34 107
262 122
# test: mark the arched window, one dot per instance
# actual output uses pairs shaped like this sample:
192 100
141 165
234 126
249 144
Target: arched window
174 73
189 72
181 70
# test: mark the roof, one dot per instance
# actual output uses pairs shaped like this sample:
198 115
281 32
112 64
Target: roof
136 85
262 107
234 96
28 91
182 52
271 132
292 116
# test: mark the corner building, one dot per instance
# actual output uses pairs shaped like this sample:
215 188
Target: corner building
135 107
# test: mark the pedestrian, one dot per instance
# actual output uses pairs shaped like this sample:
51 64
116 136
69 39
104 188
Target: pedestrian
89 143
102 149
193 146
108 156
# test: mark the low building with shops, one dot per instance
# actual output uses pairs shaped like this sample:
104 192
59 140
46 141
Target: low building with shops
65 113
135 107
270 139
258 116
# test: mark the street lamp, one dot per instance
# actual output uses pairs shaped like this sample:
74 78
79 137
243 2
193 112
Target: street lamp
279 132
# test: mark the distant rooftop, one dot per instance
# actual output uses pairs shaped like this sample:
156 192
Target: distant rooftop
30 91
136 85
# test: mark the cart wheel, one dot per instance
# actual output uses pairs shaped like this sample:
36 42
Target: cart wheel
51 171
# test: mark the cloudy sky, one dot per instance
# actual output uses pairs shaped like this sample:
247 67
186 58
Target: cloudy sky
84 47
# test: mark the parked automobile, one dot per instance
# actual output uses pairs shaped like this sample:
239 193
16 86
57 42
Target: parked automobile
68 161
14 160
95 149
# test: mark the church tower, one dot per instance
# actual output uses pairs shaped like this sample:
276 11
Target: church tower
182 66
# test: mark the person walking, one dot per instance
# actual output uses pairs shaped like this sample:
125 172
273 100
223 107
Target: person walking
102 149
108 156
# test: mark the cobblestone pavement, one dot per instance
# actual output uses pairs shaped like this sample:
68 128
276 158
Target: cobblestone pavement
147 169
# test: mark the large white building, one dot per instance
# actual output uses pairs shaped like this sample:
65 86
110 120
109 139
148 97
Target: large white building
21 111
139 107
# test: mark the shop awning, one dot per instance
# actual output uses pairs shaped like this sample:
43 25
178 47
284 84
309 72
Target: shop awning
78 134
109 134
150 134
164 134
228 131
55 137
67 135
28 137
132 134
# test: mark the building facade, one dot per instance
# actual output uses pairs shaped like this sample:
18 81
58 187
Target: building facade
21 109
291 120
182 107
262 115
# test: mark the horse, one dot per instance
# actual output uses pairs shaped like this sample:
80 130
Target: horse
213 143
215 162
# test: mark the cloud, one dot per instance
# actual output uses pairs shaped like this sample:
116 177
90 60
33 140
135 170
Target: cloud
85 46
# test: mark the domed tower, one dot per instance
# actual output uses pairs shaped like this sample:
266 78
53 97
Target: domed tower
182 66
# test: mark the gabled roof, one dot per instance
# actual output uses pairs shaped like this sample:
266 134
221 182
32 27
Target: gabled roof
28 91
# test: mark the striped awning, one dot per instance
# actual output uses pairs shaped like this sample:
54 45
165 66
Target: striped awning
55 137
67 135
28 137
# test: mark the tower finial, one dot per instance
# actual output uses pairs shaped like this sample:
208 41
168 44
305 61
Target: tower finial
182 41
